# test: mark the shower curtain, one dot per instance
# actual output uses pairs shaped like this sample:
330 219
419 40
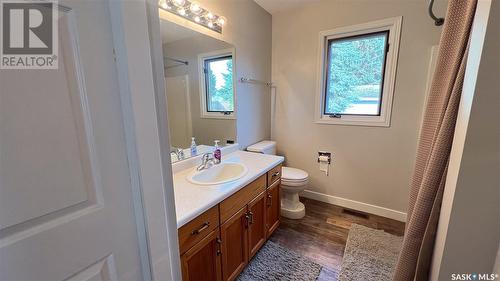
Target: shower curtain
435 143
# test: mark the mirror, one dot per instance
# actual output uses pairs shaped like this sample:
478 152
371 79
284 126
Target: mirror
199 77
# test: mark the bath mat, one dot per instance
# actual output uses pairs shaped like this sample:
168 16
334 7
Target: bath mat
274 262
369 254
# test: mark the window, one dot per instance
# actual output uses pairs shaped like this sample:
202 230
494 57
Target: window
217 85
357 72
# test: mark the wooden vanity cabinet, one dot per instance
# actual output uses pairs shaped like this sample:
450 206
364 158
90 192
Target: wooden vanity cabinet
257 232
273 208
234 246
203 260
238 226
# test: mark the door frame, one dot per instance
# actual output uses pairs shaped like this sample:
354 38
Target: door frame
136 43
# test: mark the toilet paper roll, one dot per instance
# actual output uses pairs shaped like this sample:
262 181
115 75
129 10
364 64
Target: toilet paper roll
323 158
324 166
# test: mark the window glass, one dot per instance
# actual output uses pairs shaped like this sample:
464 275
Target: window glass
219 84
355 74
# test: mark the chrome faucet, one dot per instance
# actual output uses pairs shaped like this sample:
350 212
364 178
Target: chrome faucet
179 152
207 161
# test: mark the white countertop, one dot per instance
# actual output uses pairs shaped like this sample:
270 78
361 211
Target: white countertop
191 200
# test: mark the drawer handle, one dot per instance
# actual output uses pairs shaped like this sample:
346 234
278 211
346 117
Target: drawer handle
276 174
203 227
269 200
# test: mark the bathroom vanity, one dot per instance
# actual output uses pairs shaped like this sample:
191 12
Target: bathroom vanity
221 227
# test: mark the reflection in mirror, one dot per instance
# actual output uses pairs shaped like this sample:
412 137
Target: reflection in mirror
200 90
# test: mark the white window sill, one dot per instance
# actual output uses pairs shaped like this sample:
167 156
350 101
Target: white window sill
218 116
354 121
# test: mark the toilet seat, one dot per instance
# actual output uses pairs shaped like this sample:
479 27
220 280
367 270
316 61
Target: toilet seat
293 177
294 182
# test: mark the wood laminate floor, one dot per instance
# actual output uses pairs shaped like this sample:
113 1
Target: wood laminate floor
322 234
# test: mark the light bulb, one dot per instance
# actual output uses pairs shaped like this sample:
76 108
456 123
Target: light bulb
197 19
164 5
181 11
221 21
210 24
209 16
179 3
195 8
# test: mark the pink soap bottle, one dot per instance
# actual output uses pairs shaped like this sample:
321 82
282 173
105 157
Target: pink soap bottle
217 153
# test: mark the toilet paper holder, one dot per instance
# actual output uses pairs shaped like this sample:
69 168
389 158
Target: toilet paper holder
325 153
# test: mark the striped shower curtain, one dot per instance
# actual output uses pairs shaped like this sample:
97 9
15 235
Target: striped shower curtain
435 143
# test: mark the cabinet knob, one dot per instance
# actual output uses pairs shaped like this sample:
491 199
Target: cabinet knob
219 242
269 200
247 220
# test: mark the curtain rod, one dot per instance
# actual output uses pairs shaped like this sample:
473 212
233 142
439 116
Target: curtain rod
254 81
437 21
177 60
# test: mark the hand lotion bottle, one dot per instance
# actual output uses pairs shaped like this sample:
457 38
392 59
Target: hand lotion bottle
217 153
194 149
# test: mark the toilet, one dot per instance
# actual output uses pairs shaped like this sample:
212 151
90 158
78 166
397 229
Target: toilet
293 181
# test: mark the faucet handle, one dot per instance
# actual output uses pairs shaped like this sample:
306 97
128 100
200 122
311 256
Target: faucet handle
207 156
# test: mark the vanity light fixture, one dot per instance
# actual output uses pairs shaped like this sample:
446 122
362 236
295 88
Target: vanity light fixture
193 11
164 5
179 3
195 8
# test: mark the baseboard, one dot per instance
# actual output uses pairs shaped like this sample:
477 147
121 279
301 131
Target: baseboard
355 205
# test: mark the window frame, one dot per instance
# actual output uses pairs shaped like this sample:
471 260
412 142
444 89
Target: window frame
202 59
390 25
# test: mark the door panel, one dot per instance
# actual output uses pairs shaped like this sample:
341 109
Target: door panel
257 226
203 261
66 207
234 244
103 270
273 207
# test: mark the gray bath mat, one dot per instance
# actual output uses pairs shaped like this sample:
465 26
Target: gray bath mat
370 254
274 262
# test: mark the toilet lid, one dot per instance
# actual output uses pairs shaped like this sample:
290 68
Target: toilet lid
292 174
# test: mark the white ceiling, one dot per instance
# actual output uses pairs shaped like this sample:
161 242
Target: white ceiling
171 32
275 6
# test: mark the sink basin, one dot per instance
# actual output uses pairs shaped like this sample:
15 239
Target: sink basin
218 174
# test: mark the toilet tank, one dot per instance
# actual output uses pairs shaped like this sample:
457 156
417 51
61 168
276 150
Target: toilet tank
265 147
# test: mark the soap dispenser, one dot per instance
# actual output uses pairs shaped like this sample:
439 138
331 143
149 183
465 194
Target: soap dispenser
194 149
217 153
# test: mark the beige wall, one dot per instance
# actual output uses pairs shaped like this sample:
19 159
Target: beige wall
204 129
372 165
249 30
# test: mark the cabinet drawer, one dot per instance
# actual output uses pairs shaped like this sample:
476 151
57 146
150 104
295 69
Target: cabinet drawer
198 228
273 175
235 202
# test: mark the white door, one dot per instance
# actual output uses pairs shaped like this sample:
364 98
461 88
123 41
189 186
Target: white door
66 205
179 113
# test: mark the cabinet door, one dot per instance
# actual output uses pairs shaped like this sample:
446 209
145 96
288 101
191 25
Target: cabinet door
234 244
203 260
273 207
257 211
